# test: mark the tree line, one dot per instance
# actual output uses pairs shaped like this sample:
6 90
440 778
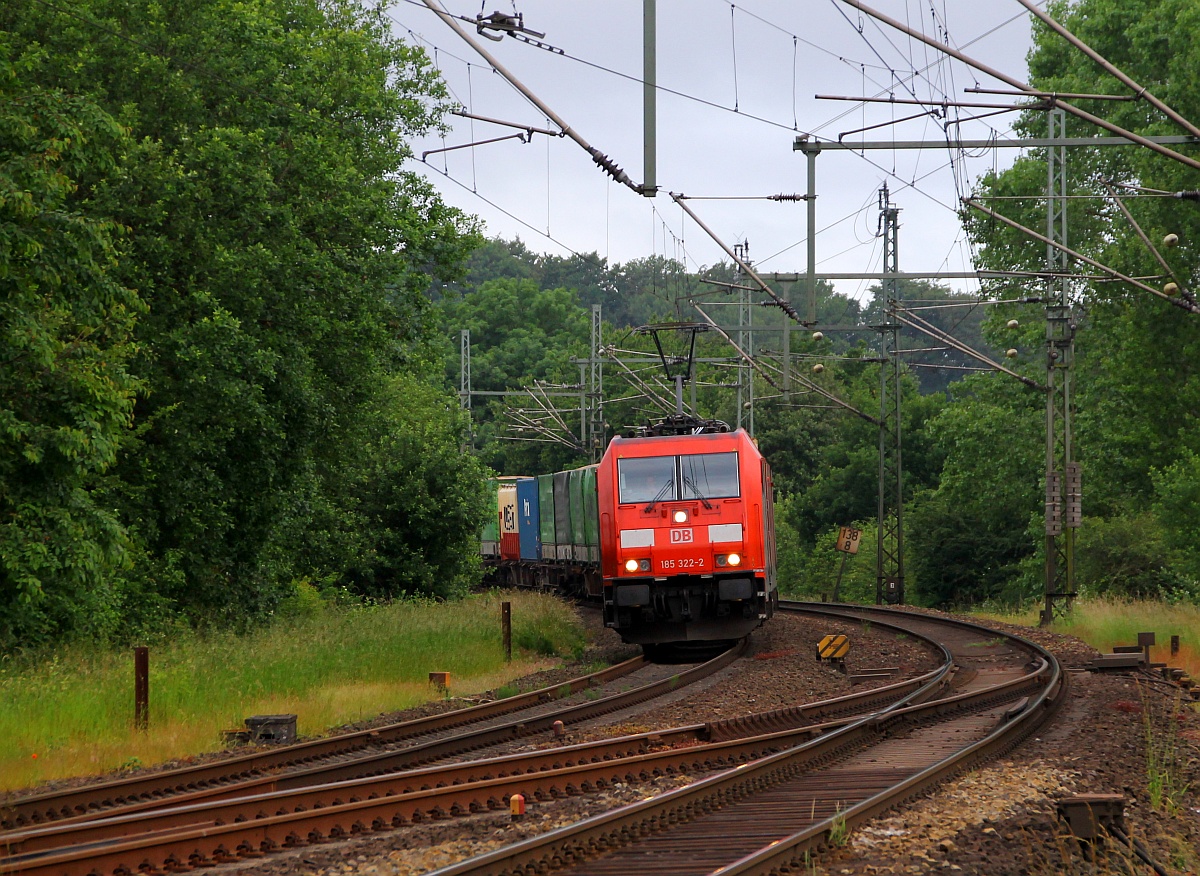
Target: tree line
219 385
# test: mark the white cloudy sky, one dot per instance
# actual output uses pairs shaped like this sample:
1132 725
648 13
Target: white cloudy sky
767 58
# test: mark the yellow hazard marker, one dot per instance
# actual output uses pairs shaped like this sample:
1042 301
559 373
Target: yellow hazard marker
833 648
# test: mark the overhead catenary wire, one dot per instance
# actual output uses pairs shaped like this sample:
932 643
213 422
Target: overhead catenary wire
602 161
1146 240
784 305
915 322
1139 91
769 292
752 362
1016 83
1190 306
913 183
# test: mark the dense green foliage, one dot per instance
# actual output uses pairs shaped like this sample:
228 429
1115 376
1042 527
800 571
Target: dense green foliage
1137 388
66 395
214 264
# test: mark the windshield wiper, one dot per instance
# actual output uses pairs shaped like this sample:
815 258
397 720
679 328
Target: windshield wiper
687 482
660 494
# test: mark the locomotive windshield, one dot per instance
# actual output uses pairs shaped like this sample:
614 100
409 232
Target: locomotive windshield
709 475
671 478
648 479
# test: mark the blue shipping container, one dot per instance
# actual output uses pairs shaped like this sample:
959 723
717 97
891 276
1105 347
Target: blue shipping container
527 519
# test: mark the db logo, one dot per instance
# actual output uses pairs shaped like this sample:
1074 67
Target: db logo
681 536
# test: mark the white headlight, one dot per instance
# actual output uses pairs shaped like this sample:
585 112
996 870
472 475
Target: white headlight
681 516
631 565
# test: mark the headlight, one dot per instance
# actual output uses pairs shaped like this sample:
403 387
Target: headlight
637 565
631 565
734 560
680 516
728 560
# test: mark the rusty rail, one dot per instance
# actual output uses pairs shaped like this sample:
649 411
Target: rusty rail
678 832
214 832
221 830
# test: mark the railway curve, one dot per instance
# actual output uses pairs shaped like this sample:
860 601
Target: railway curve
767 816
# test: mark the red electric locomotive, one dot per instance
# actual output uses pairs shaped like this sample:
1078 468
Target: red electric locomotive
687 536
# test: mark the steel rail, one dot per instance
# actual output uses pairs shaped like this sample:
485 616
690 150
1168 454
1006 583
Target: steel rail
1018 726
207 841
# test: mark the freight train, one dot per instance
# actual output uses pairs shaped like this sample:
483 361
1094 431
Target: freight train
673 531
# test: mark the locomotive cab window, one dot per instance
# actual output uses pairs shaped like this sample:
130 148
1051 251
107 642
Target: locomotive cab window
709 476
654 479
647 479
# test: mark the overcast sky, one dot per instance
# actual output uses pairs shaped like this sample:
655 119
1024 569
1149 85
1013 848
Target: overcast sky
737 85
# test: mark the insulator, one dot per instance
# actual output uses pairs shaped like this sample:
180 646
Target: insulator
610 167
1189 195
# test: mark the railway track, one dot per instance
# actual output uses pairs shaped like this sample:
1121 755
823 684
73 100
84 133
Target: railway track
770 815
264 816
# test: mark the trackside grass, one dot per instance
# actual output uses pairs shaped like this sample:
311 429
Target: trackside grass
72 714
1103 623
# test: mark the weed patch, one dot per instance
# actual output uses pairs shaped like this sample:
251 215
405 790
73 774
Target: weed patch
71 714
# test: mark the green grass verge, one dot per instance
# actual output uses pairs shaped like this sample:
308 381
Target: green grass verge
72 714
1103 623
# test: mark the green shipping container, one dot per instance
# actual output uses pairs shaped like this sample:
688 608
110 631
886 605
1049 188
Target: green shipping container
546 521
591 515
585 515
562 516
578 536
490 535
